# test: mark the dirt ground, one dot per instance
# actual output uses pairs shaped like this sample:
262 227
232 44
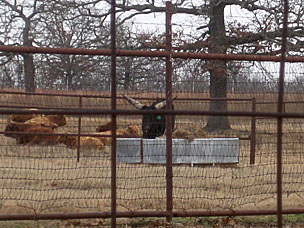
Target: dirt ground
48 179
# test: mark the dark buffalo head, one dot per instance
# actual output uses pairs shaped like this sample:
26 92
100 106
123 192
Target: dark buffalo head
152 125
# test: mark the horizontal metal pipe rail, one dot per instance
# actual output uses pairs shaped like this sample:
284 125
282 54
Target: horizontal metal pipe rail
88 112
109 97
139 53
134 214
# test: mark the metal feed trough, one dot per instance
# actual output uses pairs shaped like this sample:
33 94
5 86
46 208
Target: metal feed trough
198 151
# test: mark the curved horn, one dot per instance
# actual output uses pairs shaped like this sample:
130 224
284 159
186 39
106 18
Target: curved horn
162 104
133 102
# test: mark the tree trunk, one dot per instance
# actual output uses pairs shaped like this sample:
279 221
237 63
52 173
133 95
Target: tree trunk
29 72
28 60
69 78
127 80
217 69
127 75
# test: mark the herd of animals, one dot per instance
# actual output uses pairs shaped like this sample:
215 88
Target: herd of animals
39 129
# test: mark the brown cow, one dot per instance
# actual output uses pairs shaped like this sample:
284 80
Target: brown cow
105 127
11 128
14 129
42 121
41 136
85 141
60 120
129 131
21 118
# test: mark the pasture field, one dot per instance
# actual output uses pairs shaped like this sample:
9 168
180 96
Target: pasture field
46 179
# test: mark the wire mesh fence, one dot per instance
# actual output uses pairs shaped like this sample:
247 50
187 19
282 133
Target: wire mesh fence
38 177
76 166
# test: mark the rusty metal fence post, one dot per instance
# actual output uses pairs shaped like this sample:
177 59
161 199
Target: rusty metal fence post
253 134
79 130
280 119
169 172
113 116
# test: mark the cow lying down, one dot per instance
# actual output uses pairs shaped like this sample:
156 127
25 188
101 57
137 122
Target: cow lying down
39 127
130 131
37 134
59 120
42 121
100 141
40 136
85 141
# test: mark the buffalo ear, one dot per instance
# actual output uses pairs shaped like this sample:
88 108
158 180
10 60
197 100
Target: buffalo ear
133 102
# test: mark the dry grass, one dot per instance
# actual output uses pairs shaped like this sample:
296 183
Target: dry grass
41 179
105 103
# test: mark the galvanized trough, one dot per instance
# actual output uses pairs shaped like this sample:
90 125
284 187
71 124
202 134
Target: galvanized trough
198 151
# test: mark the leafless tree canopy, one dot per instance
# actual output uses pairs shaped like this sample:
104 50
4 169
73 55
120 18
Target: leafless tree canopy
211 26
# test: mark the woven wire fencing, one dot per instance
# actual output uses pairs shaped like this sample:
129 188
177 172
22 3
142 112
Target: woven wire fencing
44 177
71 171
52 174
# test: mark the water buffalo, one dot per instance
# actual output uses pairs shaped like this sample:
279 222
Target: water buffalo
152 125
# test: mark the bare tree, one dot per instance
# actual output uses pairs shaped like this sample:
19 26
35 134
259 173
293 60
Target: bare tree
65 27
69 25
258 34
19 13
83 24
138 73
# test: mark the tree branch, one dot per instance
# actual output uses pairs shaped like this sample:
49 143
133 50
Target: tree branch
249 5
253 37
